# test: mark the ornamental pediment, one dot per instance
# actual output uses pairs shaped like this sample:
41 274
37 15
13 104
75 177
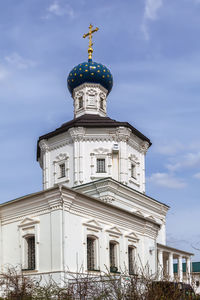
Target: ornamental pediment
114 230
138 212
151 217
28 221
92 224
61 156
101 150
132 236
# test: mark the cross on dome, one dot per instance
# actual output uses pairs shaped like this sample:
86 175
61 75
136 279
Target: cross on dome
90 49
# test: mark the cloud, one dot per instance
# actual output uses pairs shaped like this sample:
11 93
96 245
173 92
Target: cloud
188 161
166 180
57 9
150 14
3 73
18 61
197 175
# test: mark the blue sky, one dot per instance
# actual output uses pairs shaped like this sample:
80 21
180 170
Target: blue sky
153 50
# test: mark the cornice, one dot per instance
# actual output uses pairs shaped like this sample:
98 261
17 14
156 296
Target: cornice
76 203
86 206
116 192
89 85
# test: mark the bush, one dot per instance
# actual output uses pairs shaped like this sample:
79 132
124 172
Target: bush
17 286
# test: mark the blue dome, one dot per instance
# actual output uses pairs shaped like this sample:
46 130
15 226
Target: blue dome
90 72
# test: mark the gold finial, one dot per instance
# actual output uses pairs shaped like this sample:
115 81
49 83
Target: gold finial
90 50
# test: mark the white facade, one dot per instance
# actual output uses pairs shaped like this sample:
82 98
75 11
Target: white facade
93 194
61 219
79 149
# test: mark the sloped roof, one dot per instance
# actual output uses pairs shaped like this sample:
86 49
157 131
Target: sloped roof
91 121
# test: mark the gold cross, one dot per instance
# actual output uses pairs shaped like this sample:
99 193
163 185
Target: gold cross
90 50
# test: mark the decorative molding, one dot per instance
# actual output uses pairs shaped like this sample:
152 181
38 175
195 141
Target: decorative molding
107 199
144 147
60 157
114 230
77 133
132 236
28 222
44 146
134 158
101 150
90 85
93 224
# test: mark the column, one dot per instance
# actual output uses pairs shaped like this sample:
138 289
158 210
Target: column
80 161
122 162
160 264
109 163
180 269
75 162
188 269
171 271
92 164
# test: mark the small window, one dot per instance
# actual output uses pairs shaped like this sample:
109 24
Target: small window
62 170
131 260
101 165
101 103
80 102
133 171
90 254
30 253
197 283
113 257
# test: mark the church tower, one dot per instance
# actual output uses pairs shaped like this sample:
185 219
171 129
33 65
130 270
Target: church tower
92 146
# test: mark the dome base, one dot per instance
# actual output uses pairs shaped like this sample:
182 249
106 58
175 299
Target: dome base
90 98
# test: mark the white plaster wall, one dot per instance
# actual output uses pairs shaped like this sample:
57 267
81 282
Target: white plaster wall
82 166
161 239
76 255
11 253
49 253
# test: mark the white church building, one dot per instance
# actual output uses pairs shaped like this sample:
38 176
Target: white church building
93 213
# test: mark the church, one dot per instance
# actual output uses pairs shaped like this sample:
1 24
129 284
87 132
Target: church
93 213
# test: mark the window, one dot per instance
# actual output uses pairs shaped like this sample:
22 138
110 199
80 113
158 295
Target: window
80 102
101 165
30 252
197 283
113 257
90 253
101 103
131 260
62 170
133 171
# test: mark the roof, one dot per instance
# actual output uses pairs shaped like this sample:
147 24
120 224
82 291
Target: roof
91 121
59 188
174 250
108 179
195 267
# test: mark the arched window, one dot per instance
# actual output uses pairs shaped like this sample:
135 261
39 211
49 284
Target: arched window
133 171
30 252
131 259
101 103
113 256
91 253
80 102
62 170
